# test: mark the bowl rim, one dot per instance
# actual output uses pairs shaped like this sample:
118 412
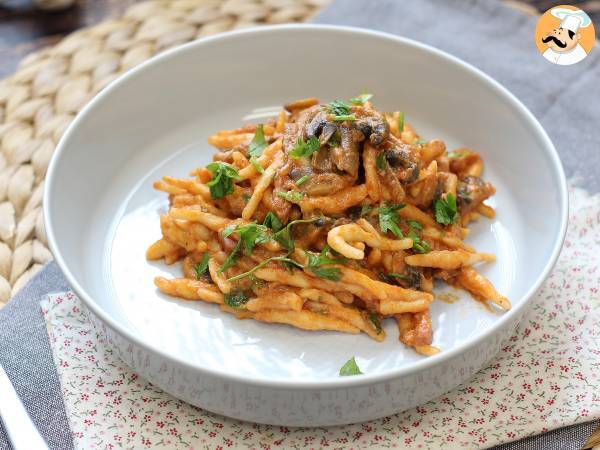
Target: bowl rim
340 382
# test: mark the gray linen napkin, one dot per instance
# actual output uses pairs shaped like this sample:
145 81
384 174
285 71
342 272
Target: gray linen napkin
26 356
485 33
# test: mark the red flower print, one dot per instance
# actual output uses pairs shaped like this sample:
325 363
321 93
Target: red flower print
538 381
173 431
160 424
131 434
407 441
450 438
584 412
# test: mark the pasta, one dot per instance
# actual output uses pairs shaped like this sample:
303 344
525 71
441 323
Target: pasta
330 217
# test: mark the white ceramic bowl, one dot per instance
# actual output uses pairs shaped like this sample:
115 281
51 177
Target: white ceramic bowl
101 214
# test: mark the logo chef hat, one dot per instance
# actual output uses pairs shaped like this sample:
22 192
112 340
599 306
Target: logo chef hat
571 19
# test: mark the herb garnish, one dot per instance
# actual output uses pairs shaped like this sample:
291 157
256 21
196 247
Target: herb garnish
260 169
316 263
446 211
419 245
454 155
304 149
283 259
421 142
236 299
202 266
284 236
291 196
350 368
361 99
340 111
223 176
272 221
414 224
258 143
389 218
375 321
303 179
380 161
250 235
401 121
398 275
365 209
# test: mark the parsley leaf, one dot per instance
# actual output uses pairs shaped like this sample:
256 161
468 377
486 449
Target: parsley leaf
272 221
421 142
304 149
257 165
258 143
456 154
303 179
251 235
232 258
389 218
419 245
416 225
401 121
291 196
335 140
202 266
284 259
350 368
223 176
316 263
375 321
236 299
361 99
340 111
446 211
398 275
380 161
365 209
284 236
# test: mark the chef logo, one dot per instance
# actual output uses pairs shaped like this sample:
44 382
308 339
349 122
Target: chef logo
565 35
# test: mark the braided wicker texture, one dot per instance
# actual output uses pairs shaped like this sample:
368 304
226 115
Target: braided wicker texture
51 86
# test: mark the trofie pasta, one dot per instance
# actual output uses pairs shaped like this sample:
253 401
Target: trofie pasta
329 217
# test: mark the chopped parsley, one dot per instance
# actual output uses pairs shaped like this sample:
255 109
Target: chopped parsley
272 221
401 121
414 224
419 245
304 149
250 235
398 275
350 368
421 142
257 165
375 321
223 176
236 299
455 154
340 111
284 259
446 211
380 161
291 196
389 218
202 266
284 236
232 258
365 209
335 140
258 143
361 99
316 263
303 179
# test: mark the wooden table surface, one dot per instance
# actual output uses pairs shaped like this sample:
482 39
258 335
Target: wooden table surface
24 28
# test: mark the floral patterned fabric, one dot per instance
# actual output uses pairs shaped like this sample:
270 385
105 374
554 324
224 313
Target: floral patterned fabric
546 376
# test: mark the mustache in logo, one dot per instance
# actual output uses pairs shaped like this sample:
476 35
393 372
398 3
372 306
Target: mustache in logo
555 40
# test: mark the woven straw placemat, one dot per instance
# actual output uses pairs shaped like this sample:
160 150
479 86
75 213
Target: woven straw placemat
39 101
